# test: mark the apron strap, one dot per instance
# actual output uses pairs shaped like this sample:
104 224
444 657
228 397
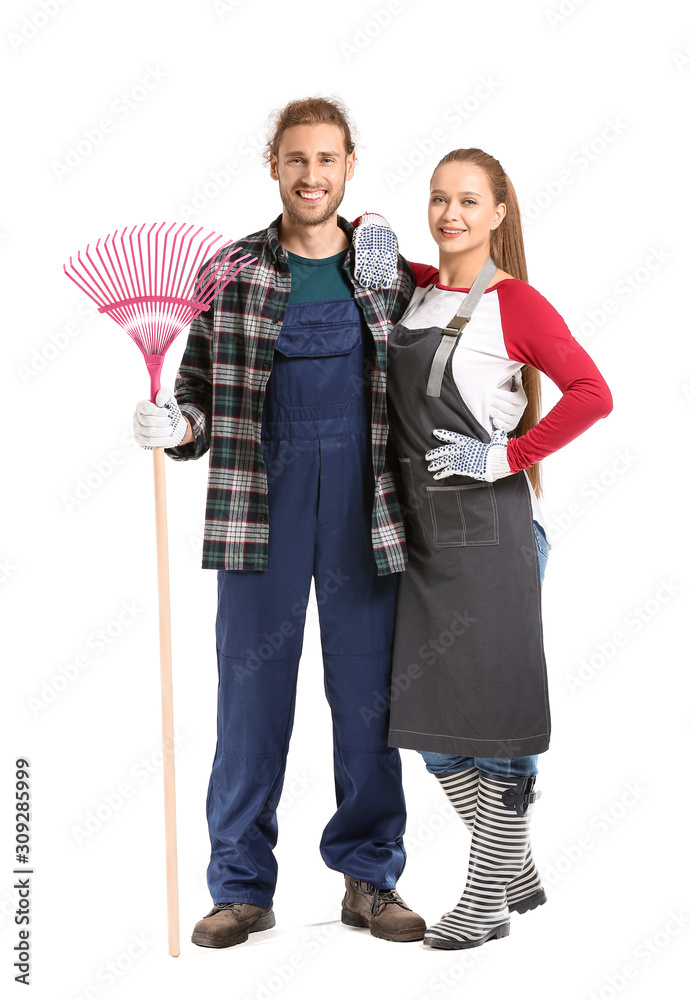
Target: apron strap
455 328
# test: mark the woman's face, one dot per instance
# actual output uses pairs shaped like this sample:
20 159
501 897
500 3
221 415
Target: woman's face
462 212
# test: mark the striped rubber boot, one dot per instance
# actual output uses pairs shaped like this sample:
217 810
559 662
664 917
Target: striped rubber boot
500 839
524 892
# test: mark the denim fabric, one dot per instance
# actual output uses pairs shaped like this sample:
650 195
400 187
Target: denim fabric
316 450
543 548
510 767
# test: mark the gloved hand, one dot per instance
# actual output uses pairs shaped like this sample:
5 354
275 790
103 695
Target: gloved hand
376 252
508 405
466 456
159 424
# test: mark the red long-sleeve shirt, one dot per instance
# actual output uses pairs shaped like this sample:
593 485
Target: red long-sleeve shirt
514 325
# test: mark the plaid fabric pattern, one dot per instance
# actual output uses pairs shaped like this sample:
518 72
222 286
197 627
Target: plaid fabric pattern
221 386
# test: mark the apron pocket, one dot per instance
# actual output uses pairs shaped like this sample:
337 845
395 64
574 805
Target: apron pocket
464 515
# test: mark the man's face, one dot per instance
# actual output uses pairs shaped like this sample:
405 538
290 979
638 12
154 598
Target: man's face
311 169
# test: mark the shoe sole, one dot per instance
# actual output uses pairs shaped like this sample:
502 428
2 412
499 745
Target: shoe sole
503 930
530 903
352 919
263 923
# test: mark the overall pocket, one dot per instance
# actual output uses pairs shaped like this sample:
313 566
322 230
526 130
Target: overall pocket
323 376
464 515
318 364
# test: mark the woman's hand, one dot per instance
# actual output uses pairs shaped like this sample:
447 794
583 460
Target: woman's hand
465 456
508 405
376 252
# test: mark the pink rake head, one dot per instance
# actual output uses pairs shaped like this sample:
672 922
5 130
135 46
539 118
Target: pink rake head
153 281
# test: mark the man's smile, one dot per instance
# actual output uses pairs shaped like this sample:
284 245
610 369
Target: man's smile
307 194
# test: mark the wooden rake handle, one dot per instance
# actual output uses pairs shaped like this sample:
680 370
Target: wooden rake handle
166 701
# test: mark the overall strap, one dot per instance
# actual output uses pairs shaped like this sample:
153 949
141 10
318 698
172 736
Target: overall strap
455 328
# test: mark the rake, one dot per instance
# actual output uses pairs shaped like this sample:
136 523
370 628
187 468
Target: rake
153 280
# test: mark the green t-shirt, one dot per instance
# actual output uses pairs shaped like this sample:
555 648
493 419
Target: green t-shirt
318 280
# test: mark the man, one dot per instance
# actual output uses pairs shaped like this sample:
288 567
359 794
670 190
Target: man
284 380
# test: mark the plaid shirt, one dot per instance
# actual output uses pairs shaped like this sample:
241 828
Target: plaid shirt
221 385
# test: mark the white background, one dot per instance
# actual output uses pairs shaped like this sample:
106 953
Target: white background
187 87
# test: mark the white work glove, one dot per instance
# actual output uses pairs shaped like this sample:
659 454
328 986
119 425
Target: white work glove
466 456
159 424
376 252
507 405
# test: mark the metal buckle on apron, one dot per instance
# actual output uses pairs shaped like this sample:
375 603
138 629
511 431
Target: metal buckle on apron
456 327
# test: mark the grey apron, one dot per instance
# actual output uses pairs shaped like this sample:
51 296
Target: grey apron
469 675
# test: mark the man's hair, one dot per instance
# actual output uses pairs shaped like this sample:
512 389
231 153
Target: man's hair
310 111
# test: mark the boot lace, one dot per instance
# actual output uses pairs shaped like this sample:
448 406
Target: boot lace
226 906
381 898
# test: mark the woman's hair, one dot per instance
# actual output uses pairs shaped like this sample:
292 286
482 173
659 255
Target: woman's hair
310 111
508 253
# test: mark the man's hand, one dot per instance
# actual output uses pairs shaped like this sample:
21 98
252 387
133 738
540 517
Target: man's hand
160 424
376 252
465 456
508 405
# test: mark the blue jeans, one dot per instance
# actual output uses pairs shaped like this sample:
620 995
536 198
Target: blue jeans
506 767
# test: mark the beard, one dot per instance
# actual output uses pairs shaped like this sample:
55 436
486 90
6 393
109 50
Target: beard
300 214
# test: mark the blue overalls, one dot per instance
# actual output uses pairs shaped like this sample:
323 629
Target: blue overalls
316 447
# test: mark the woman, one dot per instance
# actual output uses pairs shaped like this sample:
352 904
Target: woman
468 662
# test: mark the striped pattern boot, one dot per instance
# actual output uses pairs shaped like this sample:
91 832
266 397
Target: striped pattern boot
524 892
500 839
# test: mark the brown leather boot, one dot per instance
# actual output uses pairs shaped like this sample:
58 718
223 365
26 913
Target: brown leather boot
381 910
231 923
